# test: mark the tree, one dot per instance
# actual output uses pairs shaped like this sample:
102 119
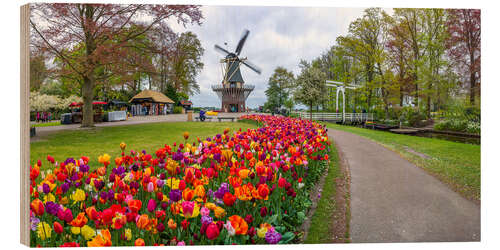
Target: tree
434 33
411 24
185 63
289 104
279 87
364 43
103 31
38 71
398 55
464 46
311 87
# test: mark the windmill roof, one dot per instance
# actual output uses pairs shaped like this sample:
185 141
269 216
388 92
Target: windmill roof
152 95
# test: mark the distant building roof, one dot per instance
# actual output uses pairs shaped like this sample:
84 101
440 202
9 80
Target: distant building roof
151 96
186 103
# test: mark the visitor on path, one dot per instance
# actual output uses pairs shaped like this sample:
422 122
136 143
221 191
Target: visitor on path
37 116
202 115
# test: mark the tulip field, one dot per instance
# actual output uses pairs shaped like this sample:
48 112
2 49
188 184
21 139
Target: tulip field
248 187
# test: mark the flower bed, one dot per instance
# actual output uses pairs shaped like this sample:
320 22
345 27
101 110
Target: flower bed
251 187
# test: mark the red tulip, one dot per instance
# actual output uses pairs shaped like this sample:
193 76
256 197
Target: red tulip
151 205
229 199
263 211
185 224
58 228
212 231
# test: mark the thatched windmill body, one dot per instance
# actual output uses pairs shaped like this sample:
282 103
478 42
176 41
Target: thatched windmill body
233 91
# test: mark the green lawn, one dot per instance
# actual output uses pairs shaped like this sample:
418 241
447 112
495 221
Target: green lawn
321 229
47 124
457 164
97 141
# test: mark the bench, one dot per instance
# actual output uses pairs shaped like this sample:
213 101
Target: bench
226 118
206 118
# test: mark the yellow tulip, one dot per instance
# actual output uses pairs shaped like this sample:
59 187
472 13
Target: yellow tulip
87 232
44 230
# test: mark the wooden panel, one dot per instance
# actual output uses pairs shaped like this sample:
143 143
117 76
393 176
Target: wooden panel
25 136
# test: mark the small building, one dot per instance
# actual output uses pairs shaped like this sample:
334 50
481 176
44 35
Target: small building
186 104
149 102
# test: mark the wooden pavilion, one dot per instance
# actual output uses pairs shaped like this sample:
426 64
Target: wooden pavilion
149 102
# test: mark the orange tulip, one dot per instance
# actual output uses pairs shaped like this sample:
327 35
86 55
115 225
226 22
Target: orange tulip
239 224
101 240
199 191
37 207
92 213
188 194
101 171
139 242
143 221
80 220
171 224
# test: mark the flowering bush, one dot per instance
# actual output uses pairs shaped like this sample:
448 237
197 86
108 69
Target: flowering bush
250 187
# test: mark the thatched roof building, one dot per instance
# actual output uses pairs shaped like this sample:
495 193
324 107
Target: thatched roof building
150 96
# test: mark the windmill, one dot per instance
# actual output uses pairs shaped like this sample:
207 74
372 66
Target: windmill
233 91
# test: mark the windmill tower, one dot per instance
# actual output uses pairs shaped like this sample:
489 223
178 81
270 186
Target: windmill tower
233 91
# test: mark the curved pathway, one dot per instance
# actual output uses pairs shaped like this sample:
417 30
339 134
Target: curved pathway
393 200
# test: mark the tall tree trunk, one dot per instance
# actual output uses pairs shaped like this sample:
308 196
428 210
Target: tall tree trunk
88 79
428 104
472 97
401 95
149 79
88 96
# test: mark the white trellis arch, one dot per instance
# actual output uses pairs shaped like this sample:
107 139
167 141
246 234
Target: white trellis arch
340 86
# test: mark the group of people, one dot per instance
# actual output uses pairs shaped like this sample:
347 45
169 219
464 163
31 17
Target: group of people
43 116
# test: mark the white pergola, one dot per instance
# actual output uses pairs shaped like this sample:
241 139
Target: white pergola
340 86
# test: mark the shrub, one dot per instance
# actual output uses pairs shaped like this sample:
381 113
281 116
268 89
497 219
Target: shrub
177 109
461 118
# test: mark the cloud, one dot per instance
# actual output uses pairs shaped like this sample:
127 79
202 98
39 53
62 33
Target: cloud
279 36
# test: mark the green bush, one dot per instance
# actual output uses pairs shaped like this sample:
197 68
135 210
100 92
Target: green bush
461 118
177 109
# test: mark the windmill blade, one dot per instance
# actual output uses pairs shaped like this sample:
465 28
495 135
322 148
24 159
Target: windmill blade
242 42
221 50
252 66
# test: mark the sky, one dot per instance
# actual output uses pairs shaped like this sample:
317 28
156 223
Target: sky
279 36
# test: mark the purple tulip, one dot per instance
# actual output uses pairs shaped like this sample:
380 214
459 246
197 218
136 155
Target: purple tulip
175 195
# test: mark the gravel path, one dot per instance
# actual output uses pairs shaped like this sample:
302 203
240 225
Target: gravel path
393 200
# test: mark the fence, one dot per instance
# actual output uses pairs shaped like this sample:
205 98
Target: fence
337 117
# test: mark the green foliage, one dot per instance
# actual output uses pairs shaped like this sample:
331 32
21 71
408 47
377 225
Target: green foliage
413 116
461 118
311 87
38 71
280 85
186 63
321 229
177 109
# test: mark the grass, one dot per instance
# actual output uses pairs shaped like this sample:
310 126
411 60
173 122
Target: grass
321 229
47 124
97 141
456 164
